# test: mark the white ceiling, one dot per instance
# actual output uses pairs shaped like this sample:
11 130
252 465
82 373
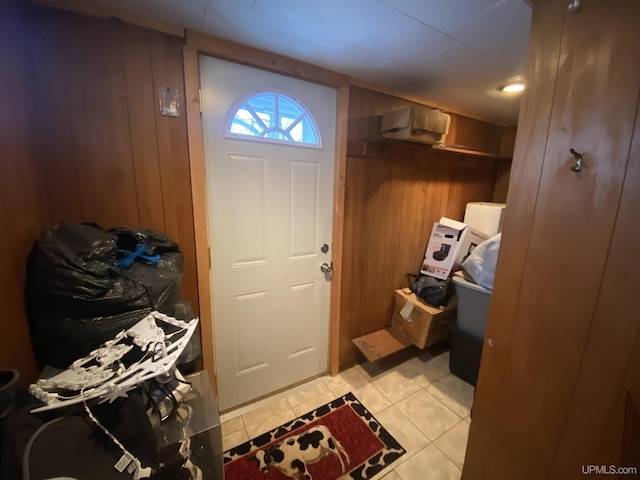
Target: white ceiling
453 52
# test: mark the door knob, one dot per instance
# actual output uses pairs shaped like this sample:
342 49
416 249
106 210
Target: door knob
324 248
326 268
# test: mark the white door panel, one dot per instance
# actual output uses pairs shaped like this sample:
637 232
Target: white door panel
270 210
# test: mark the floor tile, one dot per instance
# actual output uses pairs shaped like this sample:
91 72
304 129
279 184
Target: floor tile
454 393
428 464
423 372
427 413
269 423
395 386
454 443
232 425
386 474
372 399
263 413
308 394
352 377
441 360
234 439
415 398
392 475
276 397
405 432
314 403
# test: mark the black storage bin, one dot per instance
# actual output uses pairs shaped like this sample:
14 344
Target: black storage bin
466 350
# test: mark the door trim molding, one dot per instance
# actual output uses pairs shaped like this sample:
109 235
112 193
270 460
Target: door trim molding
339 173
199 202
236 52
198 43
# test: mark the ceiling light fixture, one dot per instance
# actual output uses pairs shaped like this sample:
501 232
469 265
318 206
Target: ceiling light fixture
512 87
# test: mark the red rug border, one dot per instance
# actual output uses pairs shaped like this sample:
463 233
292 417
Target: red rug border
388 442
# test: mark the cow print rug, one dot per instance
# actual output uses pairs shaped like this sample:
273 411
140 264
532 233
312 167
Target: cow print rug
340 440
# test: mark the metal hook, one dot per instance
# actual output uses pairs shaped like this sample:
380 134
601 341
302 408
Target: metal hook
575 5
578 156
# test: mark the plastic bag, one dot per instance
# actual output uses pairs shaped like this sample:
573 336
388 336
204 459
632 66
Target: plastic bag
481 263
77 297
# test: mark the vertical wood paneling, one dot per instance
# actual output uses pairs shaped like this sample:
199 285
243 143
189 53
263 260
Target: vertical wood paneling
615 330
83 141
393 196
55 133
142 103
557 360
23 192
173 156
580 210
99 117
468 184
475 134
533 127
503 173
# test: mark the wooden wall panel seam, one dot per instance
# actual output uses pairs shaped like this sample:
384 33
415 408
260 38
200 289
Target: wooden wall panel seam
490 383
508 360
619 216
131 139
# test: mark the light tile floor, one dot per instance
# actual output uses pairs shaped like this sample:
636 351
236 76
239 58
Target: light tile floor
416 399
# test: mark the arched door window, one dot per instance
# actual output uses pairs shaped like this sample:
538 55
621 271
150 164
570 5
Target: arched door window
273 117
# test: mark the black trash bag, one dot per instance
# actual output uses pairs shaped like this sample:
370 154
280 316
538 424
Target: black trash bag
77 297
188 360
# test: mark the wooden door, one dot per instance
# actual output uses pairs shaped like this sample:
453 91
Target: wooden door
555 363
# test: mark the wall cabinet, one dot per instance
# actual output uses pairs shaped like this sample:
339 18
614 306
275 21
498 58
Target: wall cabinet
560 375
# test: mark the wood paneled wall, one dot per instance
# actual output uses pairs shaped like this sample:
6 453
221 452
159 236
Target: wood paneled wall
562 348
84 141
394 193
89 142
24 208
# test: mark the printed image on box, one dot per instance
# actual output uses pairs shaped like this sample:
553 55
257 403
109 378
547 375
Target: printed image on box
449 244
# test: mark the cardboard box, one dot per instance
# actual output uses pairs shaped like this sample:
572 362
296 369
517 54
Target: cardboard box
423 324
485 216
417 124
449 244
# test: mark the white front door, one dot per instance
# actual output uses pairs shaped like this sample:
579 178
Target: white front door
270 211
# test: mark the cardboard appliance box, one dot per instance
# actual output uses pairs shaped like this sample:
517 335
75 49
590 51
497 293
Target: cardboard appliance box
485 216
416 124
449 244
423 324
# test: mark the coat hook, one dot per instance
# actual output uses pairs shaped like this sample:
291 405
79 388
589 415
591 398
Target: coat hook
578 156
575 5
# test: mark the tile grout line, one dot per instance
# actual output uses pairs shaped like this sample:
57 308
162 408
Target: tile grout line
368 380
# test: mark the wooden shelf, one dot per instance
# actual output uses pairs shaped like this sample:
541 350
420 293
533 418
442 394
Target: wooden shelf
460 149
382 343
466 151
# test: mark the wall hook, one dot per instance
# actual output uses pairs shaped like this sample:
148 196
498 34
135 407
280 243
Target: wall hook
578 156
575 5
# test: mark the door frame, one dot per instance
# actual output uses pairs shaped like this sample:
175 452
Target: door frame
201 44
